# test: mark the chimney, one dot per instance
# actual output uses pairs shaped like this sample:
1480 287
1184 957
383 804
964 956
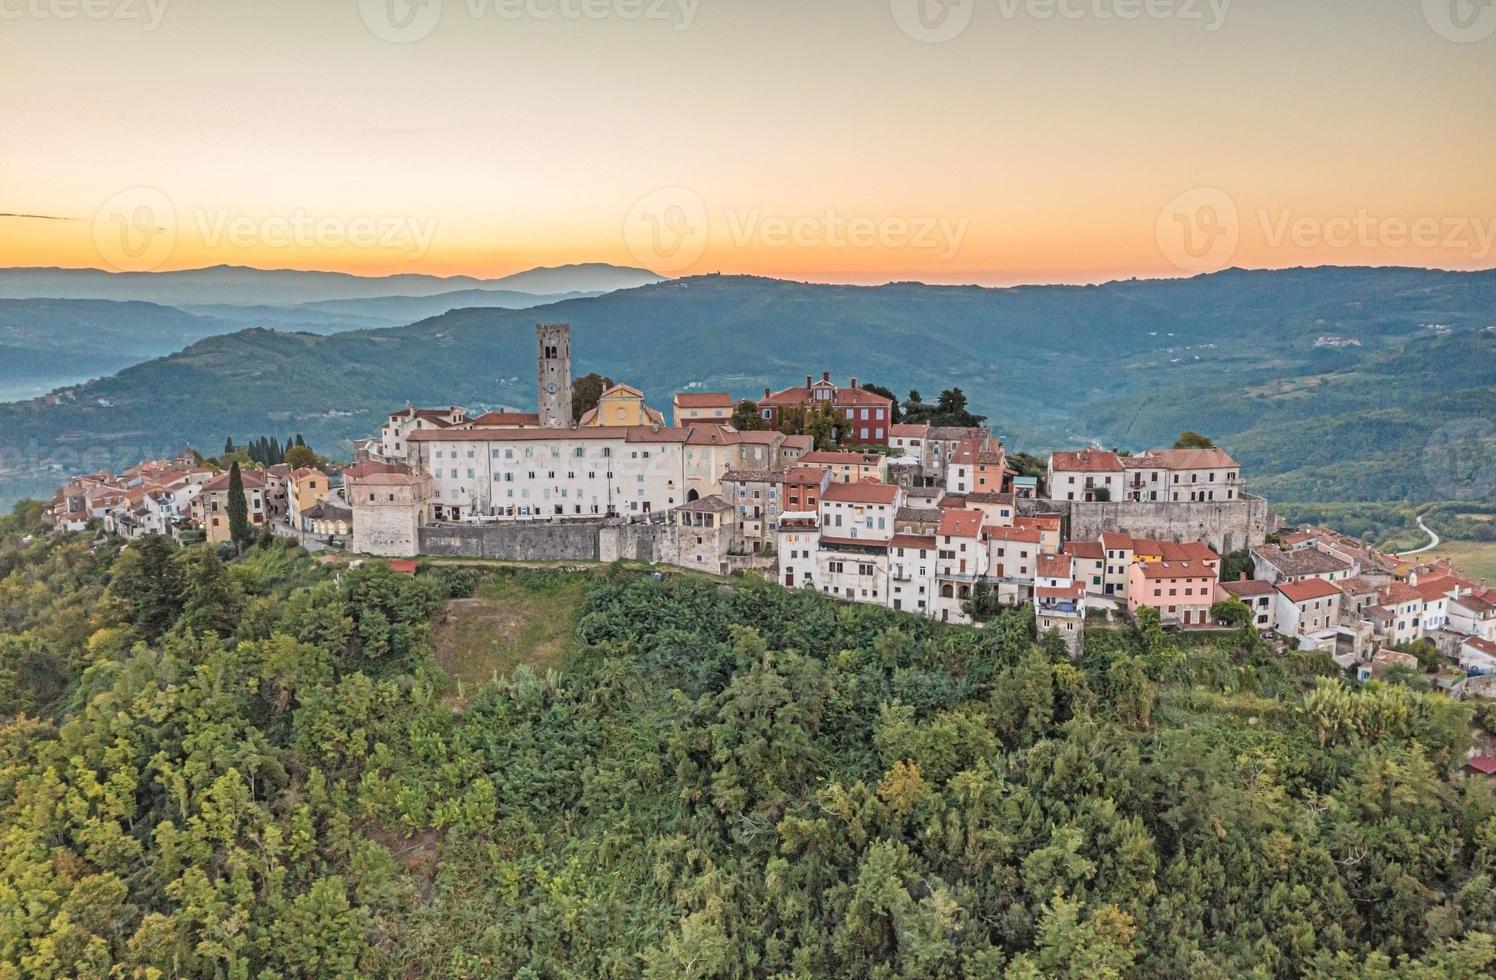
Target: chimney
825 375
767 393
807 381
854 381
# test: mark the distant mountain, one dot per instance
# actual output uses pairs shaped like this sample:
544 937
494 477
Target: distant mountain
1328 383
46 343
241 286
335 315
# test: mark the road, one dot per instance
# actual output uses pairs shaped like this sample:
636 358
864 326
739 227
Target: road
1432 544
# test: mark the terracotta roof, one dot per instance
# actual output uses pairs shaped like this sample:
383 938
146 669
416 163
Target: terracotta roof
253 480
1075 590
844 397
1026 535
1055 566
1045 522
1356 585
1307 589
506 419
913 541
906 431
862 492
1481 644
1086 549
1398 593
1481 764
1175 569
803 443
804 474
961 523
1086 461
1188 551
956 433
1183 459
1433 589
765 437
703 399
359 471
1116 541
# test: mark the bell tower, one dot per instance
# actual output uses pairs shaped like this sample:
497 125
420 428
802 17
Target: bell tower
553 374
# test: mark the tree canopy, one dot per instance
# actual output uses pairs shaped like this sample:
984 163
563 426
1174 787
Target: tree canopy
259 769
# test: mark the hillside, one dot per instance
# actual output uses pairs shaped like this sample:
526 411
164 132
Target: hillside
1127 364
258 770
242 286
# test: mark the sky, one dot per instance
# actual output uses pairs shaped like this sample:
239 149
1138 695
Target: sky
947 141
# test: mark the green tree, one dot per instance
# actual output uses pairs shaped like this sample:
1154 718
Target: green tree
585 393
238 508
298 457
746 417
1192 440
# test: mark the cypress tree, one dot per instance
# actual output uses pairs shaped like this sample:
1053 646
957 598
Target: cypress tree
238 508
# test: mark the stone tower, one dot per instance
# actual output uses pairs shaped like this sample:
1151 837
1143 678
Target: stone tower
553 374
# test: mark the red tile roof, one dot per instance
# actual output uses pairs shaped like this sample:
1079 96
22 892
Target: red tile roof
1175 569
1055 566
703 399
862 492
1026 535
506 419
912 541
1482 764
1307 589
1086 549
1086 461
906 431
960 523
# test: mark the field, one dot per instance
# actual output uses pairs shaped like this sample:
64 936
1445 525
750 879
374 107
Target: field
512 620
1476 559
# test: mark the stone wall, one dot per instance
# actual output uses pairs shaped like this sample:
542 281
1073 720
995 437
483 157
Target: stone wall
513 542
386 530
1226 525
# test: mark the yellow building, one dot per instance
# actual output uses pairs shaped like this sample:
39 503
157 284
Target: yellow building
621 405
305 488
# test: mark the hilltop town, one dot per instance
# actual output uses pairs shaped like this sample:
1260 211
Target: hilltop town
816 486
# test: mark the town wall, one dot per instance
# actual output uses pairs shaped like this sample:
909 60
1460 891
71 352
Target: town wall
1226 525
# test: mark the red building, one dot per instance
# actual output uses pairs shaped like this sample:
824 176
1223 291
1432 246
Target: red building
868 415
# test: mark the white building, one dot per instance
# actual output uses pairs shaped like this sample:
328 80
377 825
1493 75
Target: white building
859 511
394 435
509 474
1084 474
911 572
1177 475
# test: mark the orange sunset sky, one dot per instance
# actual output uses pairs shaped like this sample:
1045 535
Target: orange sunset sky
832 141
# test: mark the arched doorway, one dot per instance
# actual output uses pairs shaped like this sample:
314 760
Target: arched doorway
692 497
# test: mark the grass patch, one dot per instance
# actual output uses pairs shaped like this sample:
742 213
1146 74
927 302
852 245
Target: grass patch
1476 559
513 619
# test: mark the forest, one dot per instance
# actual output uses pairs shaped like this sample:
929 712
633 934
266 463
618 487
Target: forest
257 769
